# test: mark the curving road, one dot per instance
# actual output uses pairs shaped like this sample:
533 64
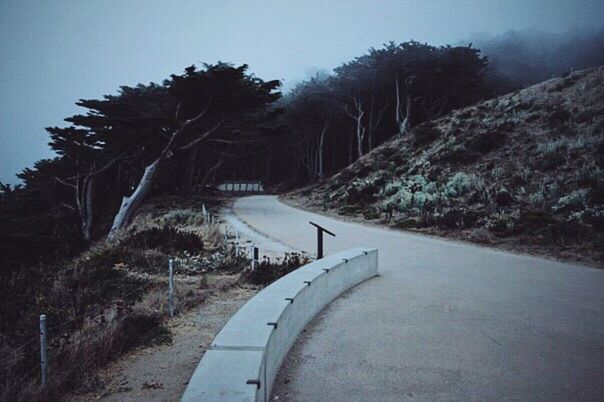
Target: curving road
444 321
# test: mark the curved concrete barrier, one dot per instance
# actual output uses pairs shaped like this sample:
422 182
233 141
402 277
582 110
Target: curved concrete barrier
244 358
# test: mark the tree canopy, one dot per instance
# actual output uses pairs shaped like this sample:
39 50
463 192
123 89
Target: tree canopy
218 122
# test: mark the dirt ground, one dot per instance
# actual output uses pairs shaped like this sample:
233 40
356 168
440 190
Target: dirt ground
162 373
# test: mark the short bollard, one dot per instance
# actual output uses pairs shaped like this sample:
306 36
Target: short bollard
171 287
254 257
43 351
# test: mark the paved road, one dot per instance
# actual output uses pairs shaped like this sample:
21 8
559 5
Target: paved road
443 322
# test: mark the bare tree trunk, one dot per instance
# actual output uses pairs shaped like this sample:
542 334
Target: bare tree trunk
131 203
209 174
350 150
374 122
321 148
86 212
84 196
358 118
403 122
190 171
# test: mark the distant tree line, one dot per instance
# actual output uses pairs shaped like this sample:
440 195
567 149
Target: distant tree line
335 119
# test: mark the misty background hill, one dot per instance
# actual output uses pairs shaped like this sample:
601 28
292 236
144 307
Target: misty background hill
527 57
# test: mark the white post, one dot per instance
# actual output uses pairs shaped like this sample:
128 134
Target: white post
204 212
171 287
43 350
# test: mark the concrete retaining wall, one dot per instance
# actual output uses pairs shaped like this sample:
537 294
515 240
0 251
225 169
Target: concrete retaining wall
244 358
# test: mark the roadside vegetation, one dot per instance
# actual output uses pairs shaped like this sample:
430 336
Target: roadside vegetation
523 171
112 298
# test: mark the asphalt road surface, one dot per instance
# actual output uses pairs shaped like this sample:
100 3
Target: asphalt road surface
444 321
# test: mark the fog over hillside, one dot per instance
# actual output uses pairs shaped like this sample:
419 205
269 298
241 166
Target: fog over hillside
526 57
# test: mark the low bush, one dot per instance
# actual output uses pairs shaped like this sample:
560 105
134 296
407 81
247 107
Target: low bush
363 191
551 158
267 271
558 117
425 134
575 200
486 142
567 233
458 154
167 239
457 219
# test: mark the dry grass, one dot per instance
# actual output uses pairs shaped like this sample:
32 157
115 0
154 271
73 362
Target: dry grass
109 300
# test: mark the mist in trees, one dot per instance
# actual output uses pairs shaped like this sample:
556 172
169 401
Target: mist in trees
521 58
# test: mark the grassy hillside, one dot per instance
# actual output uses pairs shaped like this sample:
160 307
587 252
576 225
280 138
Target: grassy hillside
524 171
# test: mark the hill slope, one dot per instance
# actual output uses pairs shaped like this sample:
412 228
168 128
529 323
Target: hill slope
523 171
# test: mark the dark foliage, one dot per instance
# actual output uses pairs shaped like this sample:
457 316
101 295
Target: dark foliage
485 142
167 239
268 271
335 119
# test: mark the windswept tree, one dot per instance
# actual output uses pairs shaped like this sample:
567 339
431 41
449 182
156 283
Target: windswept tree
131 136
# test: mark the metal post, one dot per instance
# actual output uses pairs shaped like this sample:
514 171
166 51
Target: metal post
171 287
254 257
320 230
319 244
43 350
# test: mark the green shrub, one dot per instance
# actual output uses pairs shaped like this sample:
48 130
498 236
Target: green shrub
533 222
537 199
167 239
348 210
414 192
458 154
424 134
462 183
558 117
486 142
576 199
176 217
268 271
457 219
363 191
552 155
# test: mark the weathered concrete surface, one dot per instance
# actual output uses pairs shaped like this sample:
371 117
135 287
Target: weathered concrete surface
444 321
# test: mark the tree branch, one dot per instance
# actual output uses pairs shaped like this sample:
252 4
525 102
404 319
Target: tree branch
65 183
201 138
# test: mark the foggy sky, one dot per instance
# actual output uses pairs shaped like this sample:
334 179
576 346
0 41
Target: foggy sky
54 52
